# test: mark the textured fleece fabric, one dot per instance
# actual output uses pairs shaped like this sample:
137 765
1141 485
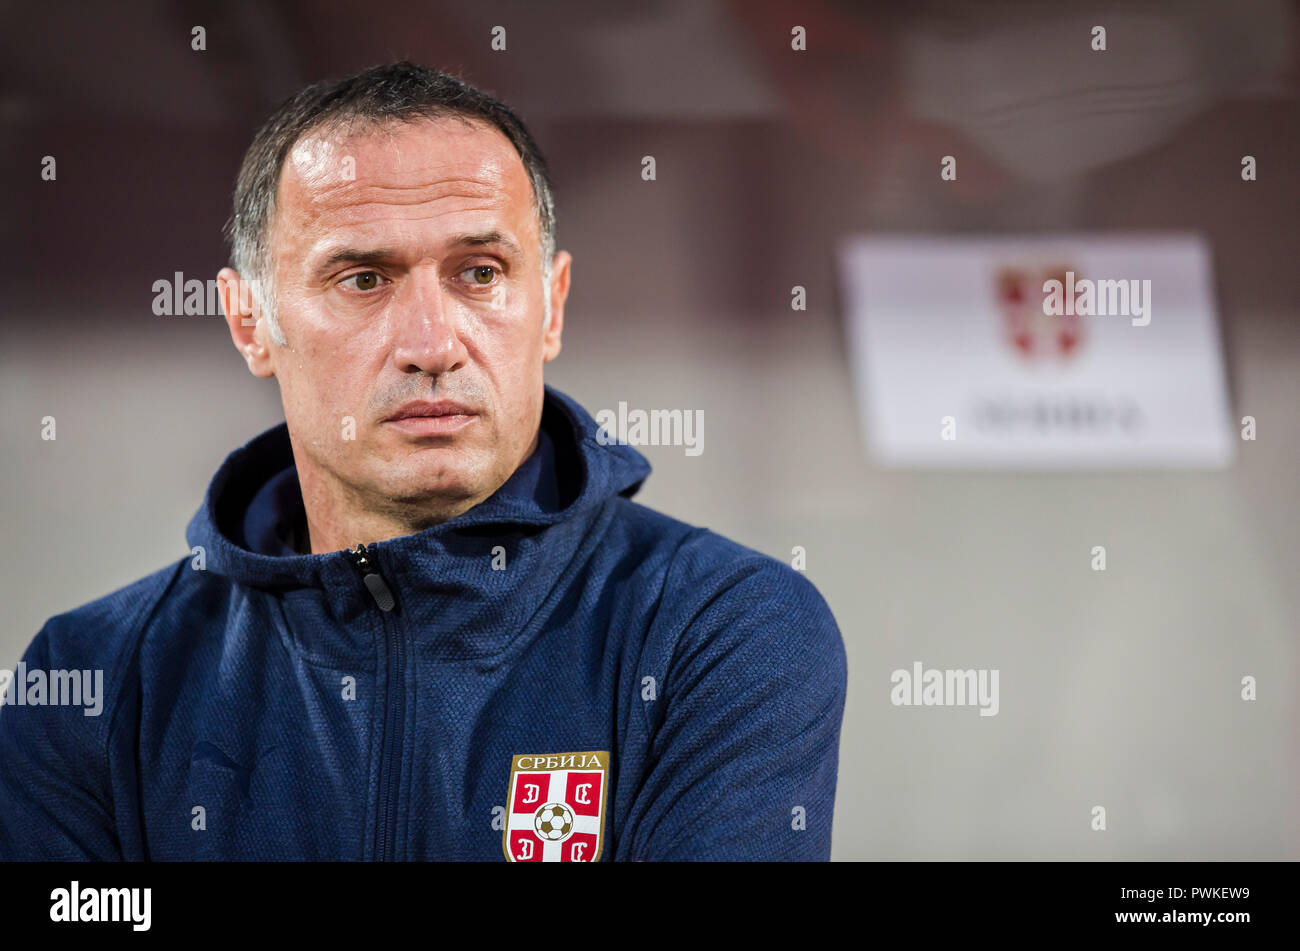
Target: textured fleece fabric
258 703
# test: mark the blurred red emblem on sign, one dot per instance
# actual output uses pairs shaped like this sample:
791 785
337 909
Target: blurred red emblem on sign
1032 333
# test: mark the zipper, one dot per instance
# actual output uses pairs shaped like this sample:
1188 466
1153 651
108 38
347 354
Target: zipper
386 821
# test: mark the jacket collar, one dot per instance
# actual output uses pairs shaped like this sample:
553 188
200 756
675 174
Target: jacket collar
275 520
443 577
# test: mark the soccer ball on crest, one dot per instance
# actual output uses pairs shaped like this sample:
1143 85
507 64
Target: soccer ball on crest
553 821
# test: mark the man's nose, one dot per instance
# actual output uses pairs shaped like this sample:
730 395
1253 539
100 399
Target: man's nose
426 332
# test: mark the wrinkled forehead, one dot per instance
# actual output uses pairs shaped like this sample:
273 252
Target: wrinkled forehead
346 176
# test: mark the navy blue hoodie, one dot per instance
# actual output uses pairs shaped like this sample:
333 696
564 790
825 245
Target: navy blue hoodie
558 674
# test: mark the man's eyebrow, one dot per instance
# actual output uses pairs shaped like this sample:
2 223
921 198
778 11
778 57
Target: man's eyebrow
356 256
382 255
481 238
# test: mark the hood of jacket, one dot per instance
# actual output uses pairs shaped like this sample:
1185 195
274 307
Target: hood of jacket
472 583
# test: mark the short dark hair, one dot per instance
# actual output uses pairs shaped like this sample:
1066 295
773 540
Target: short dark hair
397 92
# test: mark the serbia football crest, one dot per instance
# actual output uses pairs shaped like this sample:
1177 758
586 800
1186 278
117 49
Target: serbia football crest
557 807
1030 331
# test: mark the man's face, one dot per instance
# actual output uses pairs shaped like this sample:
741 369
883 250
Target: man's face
408 281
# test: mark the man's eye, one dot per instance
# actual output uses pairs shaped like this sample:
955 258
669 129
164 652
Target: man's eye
365 281
479 277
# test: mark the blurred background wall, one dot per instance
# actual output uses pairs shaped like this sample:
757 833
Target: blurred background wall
1119 689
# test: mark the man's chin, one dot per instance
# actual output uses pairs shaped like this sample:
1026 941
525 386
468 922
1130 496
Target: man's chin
434 476
443 490
434 485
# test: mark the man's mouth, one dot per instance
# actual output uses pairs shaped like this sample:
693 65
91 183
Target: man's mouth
438 418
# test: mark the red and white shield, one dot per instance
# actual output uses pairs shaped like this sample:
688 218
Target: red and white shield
1033 334
557 807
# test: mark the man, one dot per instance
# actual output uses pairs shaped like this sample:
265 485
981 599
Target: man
423 619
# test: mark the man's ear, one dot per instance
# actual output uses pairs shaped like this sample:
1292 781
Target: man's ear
246 322
559 292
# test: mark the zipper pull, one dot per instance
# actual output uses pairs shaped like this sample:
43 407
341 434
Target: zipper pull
373 580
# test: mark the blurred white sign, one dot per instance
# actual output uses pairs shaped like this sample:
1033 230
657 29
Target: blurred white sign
1070 351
